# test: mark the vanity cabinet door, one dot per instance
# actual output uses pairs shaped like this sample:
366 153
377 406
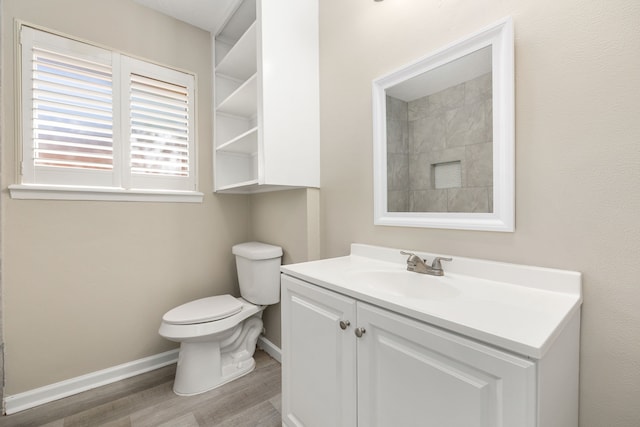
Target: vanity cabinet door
412 374
318 356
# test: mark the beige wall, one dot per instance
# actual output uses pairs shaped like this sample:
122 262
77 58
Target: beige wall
85 284
577 157
288 219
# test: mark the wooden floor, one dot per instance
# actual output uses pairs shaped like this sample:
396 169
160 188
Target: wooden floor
148 400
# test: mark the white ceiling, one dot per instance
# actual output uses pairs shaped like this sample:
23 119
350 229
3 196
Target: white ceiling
205 14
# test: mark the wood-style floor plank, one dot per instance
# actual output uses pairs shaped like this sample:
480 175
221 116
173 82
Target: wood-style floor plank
148 400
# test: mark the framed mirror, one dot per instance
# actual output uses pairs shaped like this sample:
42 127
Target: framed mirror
443 137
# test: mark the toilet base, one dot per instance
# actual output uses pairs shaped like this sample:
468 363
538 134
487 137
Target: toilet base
205 365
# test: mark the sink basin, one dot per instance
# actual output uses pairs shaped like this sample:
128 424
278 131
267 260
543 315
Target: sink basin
404 284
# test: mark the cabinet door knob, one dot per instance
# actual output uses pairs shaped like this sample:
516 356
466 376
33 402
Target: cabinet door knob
360 332
344 324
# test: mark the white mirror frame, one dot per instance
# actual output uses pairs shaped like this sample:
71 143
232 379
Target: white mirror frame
500 37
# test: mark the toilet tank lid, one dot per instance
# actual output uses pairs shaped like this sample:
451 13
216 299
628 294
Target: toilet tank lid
257 250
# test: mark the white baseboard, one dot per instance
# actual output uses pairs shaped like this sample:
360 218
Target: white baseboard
29 399
270 348
49 393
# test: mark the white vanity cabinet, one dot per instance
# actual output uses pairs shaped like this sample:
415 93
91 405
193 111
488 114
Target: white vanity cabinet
366 343
398 372
412 374
319 358
266 91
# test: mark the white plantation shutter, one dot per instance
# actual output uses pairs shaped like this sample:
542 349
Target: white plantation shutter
67 111
93 117
160 120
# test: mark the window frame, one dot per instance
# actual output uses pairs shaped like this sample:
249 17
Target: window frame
118 184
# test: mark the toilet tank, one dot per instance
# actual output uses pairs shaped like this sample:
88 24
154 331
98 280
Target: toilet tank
258 266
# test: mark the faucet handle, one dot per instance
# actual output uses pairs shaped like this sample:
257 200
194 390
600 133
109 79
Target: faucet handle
436 262
412 257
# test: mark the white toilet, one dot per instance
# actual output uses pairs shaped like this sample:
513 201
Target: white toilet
218 335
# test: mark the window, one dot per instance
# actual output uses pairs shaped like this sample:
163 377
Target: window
96 121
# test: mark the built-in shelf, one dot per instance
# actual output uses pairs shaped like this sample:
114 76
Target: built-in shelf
243 101
276 146
238 185
246 143
241 61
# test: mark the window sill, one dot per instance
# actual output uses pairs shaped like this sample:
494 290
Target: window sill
55 192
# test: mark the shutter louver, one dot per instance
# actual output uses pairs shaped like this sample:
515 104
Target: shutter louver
159 119
72 112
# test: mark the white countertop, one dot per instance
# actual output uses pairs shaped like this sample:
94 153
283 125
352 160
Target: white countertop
515 307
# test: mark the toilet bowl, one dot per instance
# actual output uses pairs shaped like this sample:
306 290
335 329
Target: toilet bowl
218 334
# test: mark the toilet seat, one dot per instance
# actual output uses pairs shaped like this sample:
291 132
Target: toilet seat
199 331
203 310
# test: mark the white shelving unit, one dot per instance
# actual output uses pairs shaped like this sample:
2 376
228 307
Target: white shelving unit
266 97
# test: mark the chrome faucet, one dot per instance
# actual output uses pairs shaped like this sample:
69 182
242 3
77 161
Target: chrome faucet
418 265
